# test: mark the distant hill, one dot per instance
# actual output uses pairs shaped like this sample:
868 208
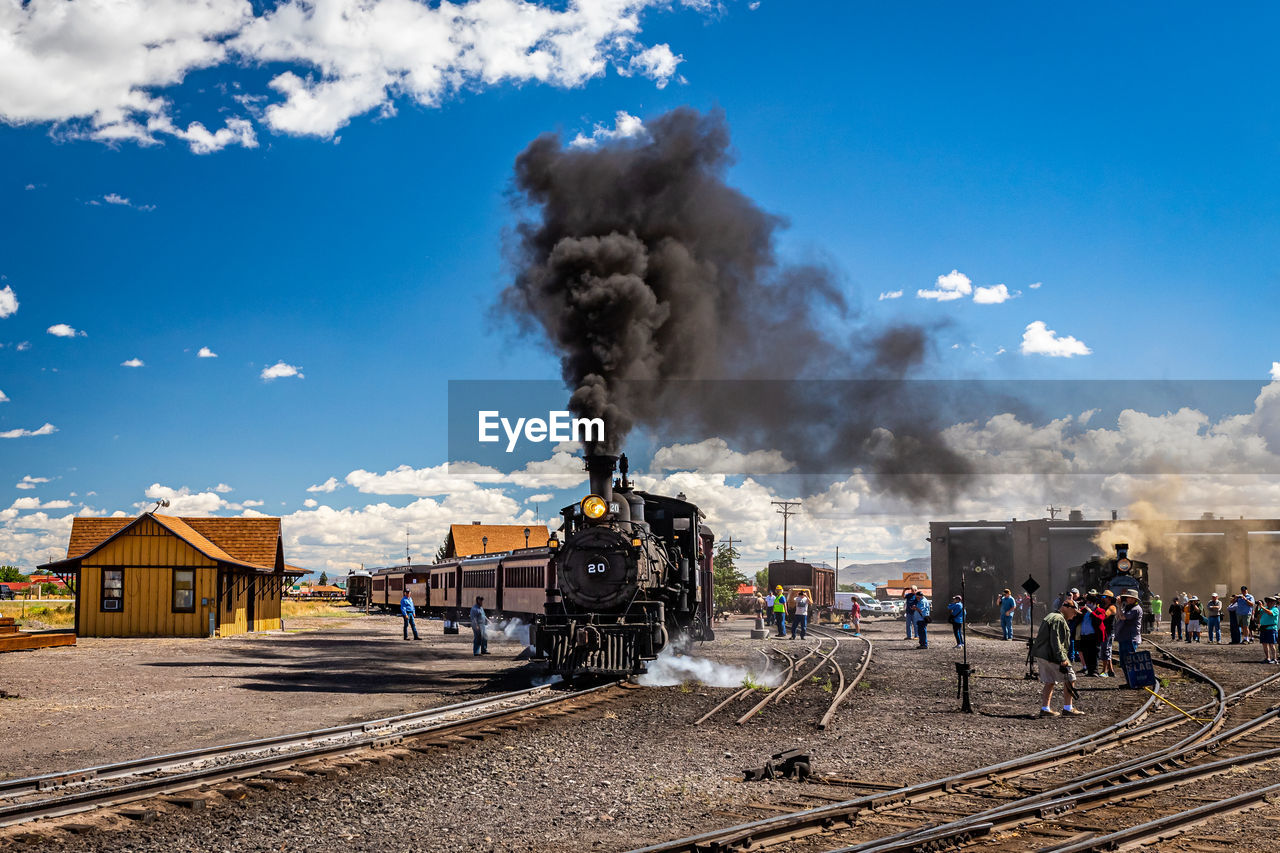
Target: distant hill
880 572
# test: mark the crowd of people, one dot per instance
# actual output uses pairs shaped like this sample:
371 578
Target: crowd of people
1249 620
1095 629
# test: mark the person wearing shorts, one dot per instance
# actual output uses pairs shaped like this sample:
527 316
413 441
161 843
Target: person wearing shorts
1051 652
1268 622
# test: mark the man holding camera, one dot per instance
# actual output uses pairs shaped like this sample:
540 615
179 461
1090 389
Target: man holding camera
1051 651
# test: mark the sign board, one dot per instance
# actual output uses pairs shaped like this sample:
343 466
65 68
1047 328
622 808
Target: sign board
1139 671
1029 586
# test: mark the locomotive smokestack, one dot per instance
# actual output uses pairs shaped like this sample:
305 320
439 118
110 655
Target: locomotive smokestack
600 472
1122 550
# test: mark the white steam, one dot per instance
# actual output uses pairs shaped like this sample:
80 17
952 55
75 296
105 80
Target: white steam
674 666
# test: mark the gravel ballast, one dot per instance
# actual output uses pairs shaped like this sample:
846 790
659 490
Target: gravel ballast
635 771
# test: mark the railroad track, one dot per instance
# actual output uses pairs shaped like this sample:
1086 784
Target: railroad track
110 785
798 670
1020 803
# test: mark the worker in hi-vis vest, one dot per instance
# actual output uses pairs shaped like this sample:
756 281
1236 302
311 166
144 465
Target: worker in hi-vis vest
780 612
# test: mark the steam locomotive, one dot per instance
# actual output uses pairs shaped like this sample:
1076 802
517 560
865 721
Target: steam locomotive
1120 574
629 572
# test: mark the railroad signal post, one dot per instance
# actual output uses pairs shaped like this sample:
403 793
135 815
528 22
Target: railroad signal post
1030 586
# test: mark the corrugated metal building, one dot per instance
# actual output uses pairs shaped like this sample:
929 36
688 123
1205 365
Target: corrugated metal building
1199 556
163 576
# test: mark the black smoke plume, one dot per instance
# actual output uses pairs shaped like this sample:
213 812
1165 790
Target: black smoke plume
650 277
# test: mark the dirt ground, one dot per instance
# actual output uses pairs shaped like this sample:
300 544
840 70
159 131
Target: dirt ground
112 699
623 775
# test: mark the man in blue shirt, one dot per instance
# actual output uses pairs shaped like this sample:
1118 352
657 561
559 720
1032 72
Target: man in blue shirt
955 612
407 610
479 624
1128 629
1007 606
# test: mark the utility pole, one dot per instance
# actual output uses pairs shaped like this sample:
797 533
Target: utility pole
786 512
1053 511
729 542
408 561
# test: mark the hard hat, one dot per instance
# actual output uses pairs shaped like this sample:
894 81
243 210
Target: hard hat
779 586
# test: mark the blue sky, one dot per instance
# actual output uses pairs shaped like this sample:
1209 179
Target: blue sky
1113 168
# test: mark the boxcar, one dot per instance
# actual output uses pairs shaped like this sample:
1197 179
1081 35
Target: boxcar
818 580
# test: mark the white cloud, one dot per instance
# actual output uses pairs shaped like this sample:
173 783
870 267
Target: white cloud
1039 339
311 502
890 294
205 352
444 479
29 482
4 398
1035 285
327 486
279 370
953 285
24 346
993 295
111 70
121 201
133 362
35 503
539 499
657 63
183 501
713 456
1275 370
252 503
564 470
47 429
62 330
222 489
625 126
8 302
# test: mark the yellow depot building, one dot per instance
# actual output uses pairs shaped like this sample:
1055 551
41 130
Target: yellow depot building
163 576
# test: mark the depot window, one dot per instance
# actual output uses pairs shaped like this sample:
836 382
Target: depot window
112 589
184 591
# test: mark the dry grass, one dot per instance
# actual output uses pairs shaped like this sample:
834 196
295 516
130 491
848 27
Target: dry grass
316 610
38 616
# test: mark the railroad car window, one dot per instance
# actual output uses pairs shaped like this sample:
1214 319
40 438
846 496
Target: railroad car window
379 584
480 578
184 591
397 584
113 589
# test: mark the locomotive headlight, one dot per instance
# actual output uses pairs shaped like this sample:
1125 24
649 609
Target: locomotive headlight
594 507
635 543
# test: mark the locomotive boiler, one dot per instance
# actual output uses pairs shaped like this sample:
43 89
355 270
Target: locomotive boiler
629 573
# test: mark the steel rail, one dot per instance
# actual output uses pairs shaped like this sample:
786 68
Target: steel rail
1157 828
960 831
1080 786
795 664
143 789
159 763
844 692
781 826
738 694
830 815
1100 786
